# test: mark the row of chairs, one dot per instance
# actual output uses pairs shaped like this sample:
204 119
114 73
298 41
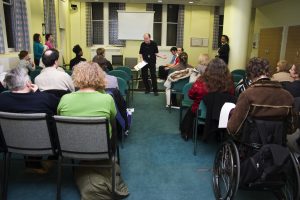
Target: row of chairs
69 138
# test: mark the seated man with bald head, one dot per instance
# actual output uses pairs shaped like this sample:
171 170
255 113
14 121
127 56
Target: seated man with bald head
51 78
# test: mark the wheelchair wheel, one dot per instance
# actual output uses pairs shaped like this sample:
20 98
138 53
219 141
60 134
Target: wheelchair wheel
290 191
226 171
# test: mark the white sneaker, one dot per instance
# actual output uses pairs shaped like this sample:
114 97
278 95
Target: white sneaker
160 80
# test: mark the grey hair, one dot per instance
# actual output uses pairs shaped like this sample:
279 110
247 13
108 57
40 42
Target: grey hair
16 78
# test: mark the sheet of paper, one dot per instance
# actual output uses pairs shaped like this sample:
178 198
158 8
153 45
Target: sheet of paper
224 114
140 65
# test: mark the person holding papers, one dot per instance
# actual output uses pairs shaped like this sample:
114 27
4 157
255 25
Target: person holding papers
264 99
148 52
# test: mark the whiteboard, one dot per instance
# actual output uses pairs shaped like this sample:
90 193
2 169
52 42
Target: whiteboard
133 25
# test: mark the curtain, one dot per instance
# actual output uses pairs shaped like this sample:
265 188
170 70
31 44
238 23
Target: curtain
180 26
89 29
113 23
215 41
20 26
50 18
149 7
2 50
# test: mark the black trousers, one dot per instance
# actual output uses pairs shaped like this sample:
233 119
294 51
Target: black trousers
152 69
37 62
163 73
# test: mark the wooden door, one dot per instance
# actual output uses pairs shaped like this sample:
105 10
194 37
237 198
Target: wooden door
270 44
292 52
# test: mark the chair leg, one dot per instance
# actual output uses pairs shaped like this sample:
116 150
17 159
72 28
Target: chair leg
180 115
113 184
6 174
131 89
122 138
59 174
118 155
195 125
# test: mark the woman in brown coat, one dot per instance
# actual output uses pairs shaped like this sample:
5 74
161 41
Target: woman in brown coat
264 98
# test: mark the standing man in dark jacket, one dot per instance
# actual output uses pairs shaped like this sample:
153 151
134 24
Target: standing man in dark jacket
223 51
148 52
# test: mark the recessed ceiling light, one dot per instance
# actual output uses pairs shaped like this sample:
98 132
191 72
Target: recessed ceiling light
191 2
159 1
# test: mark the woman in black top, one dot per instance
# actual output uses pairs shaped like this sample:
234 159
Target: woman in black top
293 87
223 51
78 51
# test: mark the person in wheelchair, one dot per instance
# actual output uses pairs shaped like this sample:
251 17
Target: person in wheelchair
264 99
257 157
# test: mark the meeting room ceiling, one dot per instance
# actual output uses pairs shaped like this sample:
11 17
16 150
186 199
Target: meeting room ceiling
256 3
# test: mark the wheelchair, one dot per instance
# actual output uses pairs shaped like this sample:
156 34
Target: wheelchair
249 162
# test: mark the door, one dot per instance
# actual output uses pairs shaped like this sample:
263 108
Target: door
270 44
293 45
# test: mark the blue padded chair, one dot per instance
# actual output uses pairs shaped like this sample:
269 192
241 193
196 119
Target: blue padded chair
129 73
177 88
34 74
122 74
236 78
186 101
123 88
198 120
241 72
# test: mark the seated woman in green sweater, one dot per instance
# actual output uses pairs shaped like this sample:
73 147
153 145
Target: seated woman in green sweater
91 101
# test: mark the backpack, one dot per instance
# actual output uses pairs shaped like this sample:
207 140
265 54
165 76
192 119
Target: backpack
268 160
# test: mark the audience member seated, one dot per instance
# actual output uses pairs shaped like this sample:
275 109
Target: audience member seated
177 60
51 78
163 71
180 71
216 78
24 97
91 101
78 58
110 81
183 62
203 61
102 61
282 72
293 87
264 99
25 61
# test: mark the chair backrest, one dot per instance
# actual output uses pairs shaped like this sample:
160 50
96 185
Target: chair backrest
261 132
117 60
236 78
28 134
123 86
57 93
241 72
125 69
83 137
185 92
202 111
131 62
34 74
120 73
297 104
178 85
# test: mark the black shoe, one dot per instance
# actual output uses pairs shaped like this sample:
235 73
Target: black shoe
147 92
156 94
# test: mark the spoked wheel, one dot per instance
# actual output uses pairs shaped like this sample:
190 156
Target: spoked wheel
226 171
290 191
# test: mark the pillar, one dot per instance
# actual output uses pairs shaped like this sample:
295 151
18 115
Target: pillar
237 16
